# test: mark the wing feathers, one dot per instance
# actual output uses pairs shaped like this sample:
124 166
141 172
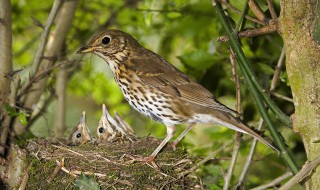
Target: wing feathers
159 74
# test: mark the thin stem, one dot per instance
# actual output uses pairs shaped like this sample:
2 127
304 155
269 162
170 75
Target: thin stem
277 71
249 158
237 143
234 157
45 33
271 10
257 92
251 32
305 172
282 97
240 21
232 8
274 182
257 11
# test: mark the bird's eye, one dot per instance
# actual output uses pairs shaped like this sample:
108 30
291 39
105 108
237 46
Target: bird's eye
78 135
105 40
101 130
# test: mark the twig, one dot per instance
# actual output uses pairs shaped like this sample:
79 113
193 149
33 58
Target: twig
77 172
305 172
232 8
236 81
24 180
38 77
236 147
271 10
66 149
56 170
44 36
107 160
274 182
251 33
249 158
208 157
282 97
66 170
277 71
257 11
240 21
235 152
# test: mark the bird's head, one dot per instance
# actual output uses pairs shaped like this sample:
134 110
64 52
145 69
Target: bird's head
110 44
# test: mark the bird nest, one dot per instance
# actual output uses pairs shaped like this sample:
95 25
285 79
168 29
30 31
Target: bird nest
110 165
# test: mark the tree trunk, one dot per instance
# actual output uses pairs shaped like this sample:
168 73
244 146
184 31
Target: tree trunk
5 51
297 25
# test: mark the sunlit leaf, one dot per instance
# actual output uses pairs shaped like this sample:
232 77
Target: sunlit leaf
22 117
174 15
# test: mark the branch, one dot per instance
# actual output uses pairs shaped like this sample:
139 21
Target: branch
249 158
271 10
277 71
257 11
232 8
251 33
306 171
45 33
274 182
5 51
236 147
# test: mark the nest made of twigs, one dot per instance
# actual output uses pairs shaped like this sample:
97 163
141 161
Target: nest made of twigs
56 166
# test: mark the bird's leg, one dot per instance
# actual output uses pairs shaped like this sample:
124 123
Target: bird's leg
175 142
170 134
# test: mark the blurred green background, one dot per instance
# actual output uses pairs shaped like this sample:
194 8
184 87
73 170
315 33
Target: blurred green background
183 32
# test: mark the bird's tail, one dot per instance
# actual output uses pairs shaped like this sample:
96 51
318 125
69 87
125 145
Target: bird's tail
228 120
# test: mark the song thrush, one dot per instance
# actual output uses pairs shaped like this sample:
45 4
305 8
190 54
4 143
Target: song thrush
157 89
110 129
80 133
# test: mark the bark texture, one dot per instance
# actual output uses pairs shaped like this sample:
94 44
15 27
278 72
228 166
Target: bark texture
5 50
297 24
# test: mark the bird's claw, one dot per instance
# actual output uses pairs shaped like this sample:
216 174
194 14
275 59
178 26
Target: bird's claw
146 160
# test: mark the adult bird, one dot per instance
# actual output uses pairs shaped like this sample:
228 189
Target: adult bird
159 90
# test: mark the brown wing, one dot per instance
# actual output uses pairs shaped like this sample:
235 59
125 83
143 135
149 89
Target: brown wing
157 72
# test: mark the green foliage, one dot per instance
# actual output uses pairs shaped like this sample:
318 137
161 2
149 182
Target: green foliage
21 115
86 183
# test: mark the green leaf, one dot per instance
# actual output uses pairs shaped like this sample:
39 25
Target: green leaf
199 60
86 183
11 111
266 69
173 15
22 118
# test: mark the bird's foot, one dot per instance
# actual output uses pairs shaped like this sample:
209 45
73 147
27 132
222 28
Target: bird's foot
146 160
174 145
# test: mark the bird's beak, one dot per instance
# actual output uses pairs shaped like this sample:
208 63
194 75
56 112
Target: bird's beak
85 49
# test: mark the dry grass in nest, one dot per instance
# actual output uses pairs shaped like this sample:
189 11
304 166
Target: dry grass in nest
56 166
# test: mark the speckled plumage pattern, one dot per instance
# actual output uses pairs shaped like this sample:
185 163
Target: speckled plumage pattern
157 89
